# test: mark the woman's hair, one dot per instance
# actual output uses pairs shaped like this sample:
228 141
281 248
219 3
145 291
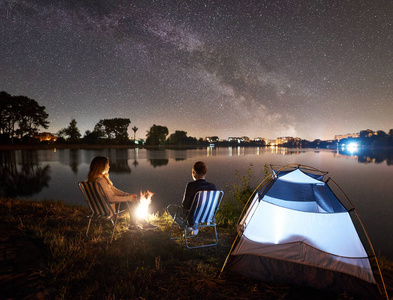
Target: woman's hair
97 168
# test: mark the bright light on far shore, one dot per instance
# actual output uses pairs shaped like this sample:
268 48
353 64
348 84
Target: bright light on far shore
352 147
144 202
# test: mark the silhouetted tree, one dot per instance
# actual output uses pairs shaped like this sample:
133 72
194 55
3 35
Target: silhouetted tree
156 135
177 138
71 133
92 137
111 129
391 137
135 129
8 115
31 117
20 115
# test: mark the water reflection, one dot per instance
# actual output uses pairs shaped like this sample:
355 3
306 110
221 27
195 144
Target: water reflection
367 156
120 166
241 151
27 172
157 157
68 157
159 162
74 160
136 157
23 175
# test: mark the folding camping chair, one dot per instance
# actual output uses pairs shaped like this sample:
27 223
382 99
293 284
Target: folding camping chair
99 204
202 212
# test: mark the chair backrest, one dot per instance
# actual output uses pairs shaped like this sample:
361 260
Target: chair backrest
205 206
96 199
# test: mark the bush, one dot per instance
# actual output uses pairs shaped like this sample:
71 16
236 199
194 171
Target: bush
239 194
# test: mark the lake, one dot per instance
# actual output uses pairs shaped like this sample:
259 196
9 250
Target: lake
365 176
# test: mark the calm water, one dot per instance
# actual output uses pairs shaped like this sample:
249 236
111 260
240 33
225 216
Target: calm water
366 178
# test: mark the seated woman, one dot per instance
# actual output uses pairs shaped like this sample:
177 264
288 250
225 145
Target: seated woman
99 172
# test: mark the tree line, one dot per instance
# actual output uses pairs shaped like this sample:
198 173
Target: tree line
115 131
21 118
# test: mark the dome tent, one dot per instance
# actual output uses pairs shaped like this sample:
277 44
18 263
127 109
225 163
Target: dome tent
297 231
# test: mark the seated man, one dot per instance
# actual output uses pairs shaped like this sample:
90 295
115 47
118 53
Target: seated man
199 170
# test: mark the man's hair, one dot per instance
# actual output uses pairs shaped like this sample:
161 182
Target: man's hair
200 168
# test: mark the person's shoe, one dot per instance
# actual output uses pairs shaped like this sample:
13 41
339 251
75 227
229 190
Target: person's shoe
191 231
147 226
133 228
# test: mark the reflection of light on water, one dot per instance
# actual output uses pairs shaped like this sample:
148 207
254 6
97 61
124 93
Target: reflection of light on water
144 202
351 147
208 151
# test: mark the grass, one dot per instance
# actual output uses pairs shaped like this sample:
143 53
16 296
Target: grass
135 266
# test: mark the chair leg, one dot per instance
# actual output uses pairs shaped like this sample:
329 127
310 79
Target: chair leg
114 228
88 226
183 226
171 232
203 246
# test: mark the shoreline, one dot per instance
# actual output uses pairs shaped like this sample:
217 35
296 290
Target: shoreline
170 147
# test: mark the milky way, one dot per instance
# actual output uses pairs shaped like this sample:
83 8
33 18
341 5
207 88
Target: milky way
310 69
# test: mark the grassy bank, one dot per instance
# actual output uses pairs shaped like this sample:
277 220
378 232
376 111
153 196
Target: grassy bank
46 255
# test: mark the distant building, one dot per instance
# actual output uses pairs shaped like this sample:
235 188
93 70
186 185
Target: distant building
243 139
212 139
346 136
46 136
137 141
294 141
367 133
283 140
270 142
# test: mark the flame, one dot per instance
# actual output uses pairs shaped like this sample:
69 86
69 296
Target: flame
144 202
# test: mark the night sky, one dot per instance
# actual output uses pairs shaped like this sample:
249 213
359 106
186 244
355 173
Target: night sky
308 69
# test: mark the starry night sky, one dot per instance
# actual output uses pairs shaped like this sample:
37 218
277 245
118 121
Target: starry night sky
308 69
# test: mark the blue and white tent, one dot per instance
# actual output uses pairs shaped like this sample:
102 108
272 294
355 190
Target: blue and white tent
297 231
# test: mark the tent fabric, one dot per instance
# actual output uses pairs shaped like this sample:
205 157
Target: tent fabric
302 253
298 176
274 270
297 223
299 191
331 233
282 173
296 196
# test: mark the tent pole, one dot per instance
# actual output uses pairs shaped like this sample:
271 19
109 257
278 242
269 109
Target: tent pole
238 222
251 197
230 251
368 240
375 256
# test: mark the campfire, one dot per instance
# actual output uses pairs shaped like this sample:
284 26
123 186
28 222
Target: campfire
144 202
